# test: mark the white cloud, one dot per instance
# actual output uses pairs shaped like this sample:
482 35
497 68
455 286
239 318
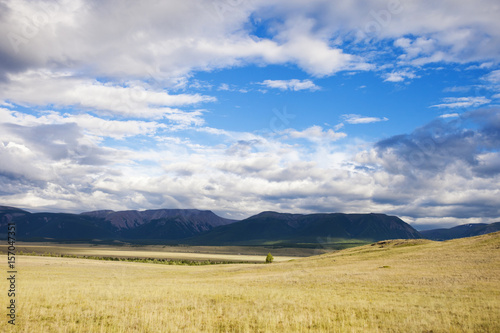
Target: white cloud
459 89
99 127
224 87
421 46
449 115
142 51
17 159
338 126
450 31
462 102
484 65
358 119
294 84
197 84
165 41
160 41
315 134
493 77
399 76
263 173
131 100
312 53
493 83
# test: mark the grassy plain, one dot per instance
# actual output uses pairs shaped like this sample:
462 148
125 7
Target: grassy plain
393 286
214 253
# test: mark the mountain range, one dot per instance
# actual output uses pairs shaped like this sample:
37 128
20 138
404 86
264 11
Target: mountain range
272 227
203 227
461 231
161 224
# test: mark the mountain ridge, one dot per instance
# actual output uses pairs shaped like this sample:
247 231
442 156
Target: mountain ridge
307 228
129 219
461 231
111 225
203 227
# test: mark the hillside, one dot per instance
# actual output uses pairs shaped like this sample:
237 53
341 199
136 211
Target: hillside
272 227
7 214
60 226
161 224
465 230
197 227
203 227
203 220
413 285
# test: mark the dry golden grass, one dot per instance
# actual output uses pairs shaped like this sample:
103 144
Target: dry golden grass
399 286
214 253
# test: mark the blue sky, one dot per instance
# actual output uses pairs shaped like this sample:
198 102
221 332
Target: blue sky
244 106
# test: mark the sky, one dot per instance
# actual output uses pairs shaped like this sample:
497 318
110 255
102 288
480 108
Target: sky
244 106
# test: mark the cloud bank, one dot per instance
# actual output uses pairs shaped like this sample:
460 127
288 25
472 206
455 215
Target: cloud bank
100 107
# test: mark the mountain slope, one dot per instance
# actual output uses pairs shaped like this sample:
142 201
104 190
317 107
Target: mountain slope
8 213
172 227
203 219
296 228
160 224
465 230
54 225
205 228
63 226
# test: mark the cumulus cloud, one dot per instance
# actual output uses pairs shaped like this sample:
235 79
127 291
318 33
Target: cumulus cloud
109 70
450 31
51 165
315 133
98 127
415 48
55 142
162 40
294 84
439 171
358 119
421 151
167 40
442 169
131 100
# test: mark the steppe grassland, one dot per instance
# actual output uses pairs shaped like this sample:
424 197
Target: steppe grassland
398 286
214 253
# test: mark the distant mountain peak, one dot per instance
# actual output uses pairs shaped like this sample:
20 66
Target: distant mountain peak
273 213
98 213
160 224
307 228
130 219
460 231
205 226
8 208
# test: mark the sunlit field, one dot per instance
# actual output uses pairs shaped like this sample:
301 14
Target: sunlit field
394 286
199 253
